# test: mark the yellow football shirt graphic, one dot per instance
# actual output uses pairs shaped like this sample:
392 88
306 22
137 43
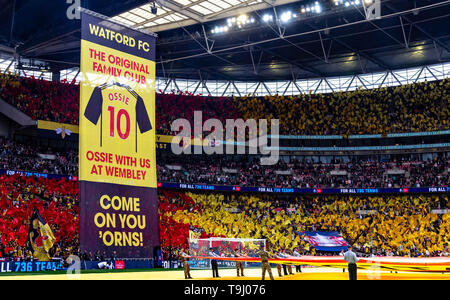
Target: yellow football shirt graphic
121 111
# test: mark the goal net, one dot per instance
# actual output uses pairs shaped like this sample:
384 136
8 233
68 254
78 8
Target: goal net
224 247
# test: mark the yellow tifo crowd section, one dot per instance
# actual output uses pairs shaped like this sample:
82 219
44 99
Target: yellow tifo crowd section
388 225
411 107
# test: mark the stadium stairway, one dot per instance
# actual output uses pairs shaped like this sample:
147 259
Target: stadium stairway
16 115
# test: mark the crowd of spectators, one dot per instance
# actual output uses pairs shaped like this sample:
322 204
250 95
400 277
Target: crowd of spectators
306 173
392 225
96 256
170 107
417 107
220 170
402 225
375 225
28 157
59 102
173 235
56 201
42 99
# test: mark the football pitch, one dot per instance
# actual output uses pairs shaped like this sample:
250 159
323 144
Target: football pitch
225 274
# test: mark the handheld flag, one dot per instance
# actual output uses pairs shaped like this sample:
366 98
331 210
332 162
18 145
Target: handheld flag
40 237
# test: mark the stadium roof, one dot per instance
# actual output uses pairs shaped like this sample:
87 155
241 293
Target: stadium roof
237 40
175 13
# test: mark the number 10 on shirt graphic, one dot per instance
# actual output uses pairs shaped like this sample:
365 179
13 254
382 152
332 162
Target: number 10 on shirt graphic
118 199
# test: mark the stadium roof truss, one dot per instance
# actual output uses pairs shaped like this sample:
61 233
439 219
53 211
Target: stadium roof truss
337 49
173 14
315 48
221 88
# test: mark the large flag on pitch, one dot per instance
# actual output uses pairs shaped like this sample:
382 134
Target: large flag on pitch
40 237
194 233
324 240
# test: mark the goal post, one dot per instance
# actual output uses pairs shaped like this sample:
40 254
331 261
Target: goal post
224 247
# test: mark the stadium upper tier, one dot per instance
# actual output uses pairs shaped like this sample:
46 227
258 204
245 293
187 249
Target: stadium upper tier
418 107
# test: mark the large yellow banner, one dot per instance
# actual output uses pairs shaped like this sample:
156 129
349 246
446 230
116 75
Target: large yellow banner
117 117
117 156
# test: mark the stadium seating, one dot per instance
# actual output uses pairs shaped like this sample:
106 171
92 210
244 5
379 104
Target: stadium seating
56 200
376 225
407 108
210 170
393 225
25 157
174 235
170 107
42 99
415 107
306 173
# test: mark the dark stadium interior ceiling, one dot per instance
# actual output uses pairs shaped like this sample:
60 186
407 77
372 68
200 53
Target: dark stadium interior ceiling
335 42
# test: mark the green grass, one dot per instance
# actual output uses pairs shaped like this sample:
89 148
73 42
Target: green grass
95 271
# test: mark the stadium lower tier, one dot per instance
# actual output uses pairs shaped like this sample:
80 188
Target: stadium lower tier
386 225
431 264
56 200
413 225
366 173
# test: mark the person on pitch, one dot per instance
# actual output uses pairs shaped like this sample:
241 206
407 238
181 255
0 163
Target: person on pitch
265 266
277 255
184 258
239 264
298 268
289 267
351 259
282 254
214 265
